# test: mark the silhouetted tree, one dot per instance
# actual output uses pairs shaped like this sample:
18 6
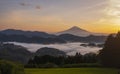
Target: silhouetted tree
110 54
77 58
90 58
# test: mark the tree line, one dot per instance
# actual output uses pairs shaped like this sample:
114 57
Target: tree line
41 61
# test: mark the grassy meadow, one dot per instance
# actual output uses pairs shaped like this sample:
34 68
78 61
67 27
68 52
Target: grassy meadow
72 71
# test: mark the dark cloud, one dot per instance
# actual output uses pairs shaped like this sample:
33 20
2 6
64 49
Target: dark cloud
38 7
23 4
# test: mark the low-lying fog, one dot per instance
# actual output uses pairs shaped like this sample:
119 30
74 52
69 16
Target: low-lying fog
69 48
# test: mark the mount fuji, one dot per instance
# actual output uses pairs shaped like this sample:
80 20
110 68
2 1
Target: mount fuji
79 32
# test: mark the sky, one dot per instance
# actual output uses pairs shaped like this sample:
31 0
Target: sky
102 16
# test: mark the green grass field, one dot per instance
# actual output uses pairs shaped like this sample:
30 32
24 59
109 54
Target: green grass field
72 71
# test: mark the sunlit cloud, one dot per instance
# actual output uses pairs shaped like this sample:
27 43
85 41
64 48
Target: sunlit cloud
112 12
114 8
69 48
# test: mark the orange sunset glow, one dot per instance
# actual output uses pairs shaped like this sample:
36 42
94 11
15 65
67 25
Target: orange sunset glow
102 16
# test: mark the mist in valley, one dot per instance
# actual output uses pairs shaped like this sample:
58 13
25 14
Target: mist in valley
69 48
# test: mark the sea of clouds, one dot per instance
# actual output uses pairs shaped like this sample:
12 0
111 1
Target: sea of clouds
69 48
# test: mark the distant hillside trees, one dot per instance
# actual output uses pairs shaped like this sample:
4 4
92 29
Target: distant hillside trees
45 60
7 67
110 54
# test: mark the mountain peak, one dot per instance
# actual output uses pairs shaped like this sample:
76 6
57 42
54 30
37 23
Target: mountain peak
76 28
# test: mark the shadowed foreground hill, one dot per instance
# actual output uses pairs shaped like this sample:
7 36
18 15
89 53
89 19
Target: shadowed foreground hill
20 54
49 51
14 53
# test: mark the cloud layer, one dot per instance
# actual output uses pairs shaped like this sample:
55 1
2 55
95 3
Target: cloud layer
69 48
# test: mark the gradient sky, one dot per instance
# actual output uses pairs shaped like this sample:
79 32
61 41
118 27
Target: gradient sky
58 15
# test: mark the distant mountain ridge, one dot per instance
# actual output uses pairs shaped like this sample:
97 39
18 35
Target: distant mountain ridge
90 38
74 31
26 33
11 35
79 32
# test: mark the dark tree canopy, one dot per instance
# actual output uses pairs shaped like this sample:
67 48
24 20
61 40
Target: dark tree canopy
110 54
53 61
7 67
